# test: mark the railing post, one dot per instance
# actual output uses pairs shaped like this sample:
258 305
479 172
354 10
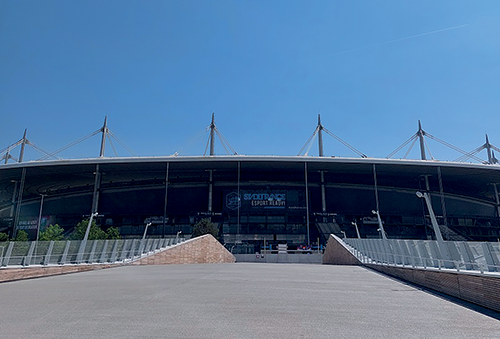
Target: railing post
27 259
46 260
124 250
114 252
65 253
469 261
104 252
92 251
490 256
8 254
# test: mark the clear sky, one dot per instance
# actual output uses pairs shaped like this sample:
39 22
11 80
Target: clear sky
158 69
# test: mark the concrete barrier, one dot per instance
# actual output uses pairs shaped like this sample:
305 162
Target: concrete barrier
282 258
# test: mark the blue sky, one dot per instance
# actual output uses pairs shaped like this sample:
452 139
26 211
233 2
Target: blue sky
158 69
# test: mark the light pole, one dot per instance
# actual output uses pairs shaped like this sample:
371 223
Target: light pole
39 217
355 224
39 222
380 225
83 244
437 231
435 226
146 230
177 236
85 238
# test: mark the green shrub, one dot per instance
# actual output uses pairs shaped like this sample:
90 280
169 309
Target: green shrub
205 226
21 236
4 236
53 232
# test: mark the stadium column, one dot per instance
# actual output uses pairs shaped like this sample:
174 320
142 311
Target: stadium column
323 195
19 201
307 204
443 203
497 199
376 187
239 202
166 196
13 201
210 189
97 188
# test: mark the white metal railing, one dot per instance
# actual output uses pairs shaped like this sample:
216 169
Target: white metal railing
18 253
470 256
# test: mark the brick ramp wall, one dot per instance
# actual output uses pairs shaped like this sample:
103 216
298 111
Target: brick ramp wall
200 250
204 249
477 289
336 253
12 274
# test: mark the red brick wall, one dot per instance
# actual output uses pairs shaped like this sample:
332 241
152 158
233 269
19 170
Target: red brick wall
477 289
200 250
11 274
337 254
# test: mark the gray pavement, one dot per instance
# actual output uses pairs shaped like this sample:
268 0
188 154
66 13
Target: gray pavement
241 300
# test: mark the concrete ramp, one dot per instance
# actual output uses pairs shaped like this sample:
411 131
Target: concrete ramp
200 250
336 253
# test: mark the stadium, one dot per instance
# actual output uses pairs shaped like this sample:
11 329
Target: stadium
256 200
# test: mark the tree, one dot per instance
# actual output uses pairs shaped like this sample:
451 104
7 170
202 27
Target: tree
205 226
53 232
21 236
113 233
95 231
4 236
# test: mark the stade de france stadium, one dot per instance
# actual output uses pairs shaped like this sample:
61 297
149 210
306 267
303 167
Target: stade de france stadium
256 200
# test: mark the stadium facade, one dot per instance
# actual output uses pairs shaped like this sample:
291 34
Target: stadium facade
255 199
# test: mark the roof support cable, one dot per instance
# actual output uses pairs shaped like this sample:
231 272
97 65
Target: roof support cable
206 147
10 147
35 147
72 144
128 149
308 141
112 145
315 135
403 145
225 142
190 142
345 143
447 144
428 149
470 154
410 148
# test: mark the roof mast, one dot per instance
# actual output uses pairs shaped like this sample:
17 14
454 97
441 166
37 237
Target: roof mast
320 136
212 135
421 134
104 131
488 149
23 145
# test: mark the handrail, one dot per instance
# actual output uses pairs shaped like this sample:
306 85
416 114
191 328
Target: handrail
474 257
69 252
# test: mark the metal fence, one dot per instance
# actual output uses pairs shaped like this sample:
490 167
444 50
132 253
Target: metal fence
457 255
18 253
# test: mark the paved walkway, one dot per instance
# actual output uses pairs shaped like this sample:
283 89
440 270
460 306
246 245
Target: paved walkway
232 301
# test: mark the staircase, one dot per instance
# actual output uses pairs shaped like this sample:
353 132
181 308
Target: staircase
327 228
